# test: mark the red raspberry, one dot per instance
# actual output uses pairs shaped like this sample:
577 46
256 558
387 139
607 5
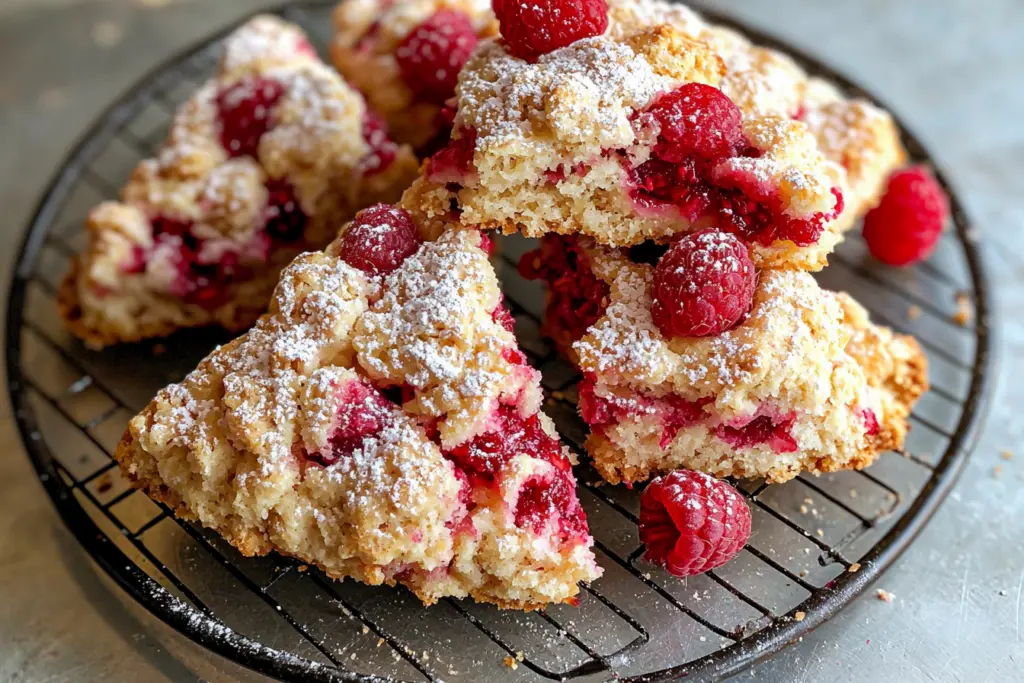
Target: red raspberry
431 56
379 239
383 149
244 113
537 27
361 413
697 119
453 162
285 219
690 522
906 225
703 285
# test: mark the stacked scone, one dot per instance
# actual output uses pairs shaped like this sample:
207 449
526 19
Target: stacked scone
380 421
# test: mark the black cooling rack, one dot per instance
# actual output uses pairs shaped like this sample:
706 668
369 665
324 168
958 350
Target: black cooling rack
816 544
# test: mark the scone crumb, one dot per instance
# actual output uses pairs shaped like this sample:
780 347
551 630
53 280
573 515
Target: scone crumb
799 616
964 310
854 568
159 349
1006 454
914 312
366 629
303 568
511 663
885 596
520 655
380 641
997 471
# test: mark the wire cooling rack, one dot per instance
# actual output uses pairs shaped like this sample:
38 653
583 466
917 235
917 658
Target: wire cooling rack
816 542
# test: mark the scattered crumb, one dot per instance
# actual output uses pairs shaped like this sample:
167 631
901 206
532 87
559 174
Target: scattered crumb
366 629
854 568
1002 593
997 470
853 493
799 616
803 509
803 573
380 641
808 500
914 312
964 310
885 596
353 657
107 33
303 568
159 349
647 575
511 663
1006 454
821 534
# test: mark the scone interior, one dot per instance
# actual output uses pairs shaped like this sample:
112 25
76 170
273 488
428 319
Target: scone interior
264 161
805 383
385 429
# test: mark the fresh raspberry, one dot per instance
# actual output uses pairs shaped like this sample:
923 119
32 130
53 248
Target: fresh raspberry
906 225
379 239
285 219
510 435
537 27
361 413
501 315
690 522
383 150
703 285
697 119
431 56
244 112
553 497
871 425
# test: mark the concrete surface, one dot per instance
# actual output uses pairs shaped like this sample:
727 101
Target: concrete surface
951 68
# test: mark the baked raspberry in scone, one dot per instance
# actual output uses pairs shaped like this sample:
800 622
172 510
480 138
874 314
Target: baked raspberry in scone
627 138
263 162
852 132
380 423
804 382
405 56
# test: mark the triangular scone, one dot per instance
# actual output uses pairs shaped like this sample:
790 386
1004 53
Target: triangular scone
384 428
263 162
804 382
852 132
626 138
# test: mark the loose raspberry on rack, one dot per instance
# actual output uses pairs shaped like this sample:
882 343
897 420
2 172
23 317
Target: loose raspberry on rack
905 227
697 119
244 114
536 27
431 56
691 522
703 285
379 239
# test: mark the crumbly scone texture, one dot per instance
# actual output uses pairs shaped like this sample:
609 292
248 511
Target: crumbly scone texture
315 145
804 354
230 445
565 112
852 132
366 35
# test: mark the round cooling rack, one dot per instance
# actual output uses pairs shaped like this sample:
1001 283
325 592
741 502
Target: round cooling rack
816 544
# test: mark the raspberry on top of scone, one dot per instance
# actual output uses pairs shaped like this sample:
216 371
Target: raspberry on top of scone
626 138
261 163
794 378
405 56
379 422
850 131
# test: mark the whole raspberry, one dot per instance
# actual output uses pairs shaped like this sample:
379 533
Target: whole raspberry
697 119
906 225
379 239
243 111
703 285
536 27
690 522
431 56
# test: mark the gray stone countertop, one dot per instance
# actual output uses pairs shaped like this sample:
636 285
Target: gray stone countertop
953 69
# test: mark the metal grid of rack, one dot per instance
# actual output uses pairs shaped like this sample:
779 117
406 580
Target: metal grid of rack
816 542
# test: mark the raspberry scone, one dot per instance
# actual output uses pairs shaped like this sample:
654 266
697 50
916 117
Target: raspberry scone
405 56
852 132
263 162
380 423
627 138
797 379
